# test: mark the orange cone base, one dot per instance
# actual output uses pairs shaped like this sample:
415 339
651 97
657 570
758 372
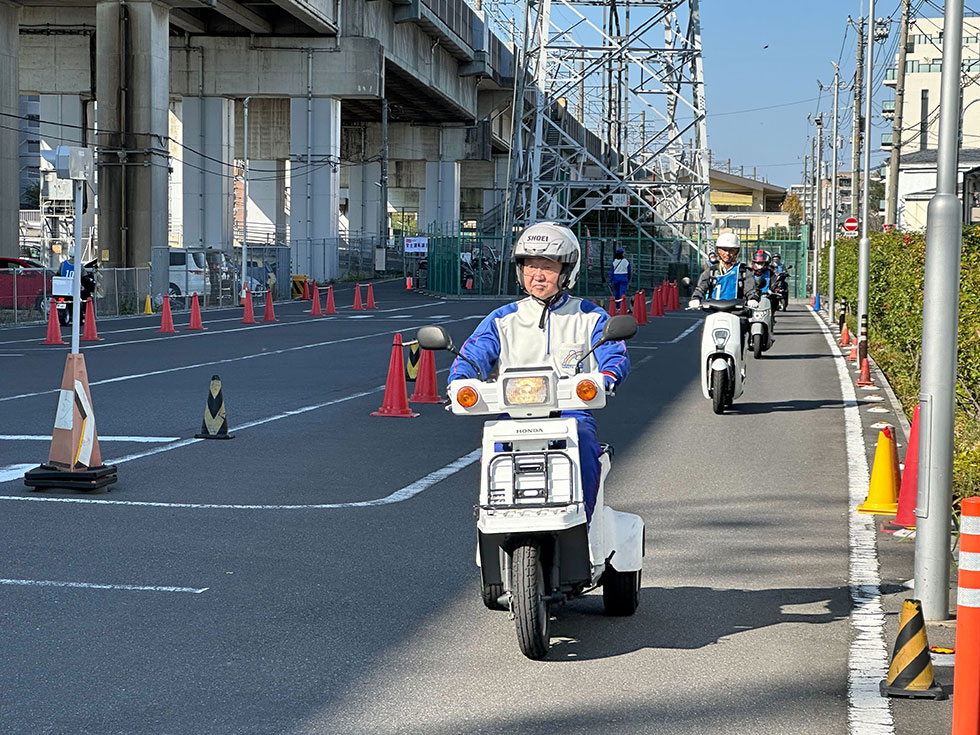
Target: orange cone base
865 379
935 691
403 413
91 479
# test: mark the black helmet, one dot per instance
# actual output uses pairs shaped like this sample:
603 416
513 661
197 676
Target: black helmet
760 260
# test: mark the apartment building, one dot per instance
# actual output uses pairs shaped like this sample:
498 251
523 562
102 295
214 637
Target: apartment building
920 113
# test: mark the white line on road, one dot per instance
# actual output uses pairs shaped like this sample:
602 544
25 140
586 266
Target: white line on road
409 491
134 439
686 332
267 353
15 471
96 586
868 712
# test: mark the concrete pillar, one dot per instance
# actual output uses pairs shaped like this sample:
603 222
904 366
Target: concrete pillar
440 205
132 91
265 189
209 165
364 208
9 142
314 194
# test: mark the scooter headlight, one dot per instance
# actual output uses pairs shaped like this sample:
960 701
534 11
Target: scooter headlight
720 337
527 391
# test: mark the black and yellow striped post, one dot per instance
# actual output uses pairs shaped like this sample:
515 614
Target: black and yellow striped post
215 425
910 674
412 363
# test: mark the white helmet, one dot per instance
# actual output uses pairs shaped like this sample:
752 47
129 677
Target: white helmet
552 241
728 241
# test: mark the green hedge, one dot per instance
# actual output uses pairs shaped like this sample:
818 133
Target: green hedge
895 329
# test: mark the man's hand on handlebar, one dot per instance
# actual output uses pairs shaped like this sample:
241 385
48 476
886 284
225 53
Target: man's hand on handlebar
694 304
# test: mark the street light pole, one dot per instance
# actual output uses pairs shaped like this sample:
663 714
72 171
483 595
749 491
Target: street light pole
940 313
864 247
818 208
245 204
832 259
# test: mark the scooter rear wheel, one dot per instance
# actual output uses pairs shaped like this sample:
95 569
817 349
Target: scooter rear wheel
719 390
620 592
757 346
530 600
491 594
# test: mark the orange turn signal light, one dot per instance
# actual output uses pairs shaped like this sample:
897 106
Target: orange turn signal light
467 397
586 390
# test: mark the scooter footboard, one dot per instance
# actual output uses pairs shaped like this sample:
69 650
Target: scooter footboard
624 536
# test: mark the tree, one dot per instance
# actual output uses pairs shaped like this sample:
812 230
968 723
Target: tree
793 205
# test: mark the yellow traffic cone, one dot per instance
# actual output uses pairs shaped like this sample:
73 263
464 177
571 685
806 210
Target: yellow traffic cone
147 307
910 673
882 497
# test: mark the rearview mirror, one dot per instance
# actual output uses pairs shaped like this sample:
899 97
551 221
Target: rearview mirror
619 328
434 338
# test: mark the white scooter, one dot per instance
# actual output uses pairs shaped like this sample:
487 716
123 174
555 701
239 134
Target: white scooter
534 546
722 359
761 326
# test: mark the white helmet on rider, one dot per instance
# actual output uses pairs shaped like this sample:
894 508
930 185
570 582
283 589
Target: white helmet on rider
552 241
728 241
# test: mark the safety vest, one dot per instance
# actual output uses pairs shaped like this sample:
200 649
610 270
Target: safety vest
728 285
620 267
764 281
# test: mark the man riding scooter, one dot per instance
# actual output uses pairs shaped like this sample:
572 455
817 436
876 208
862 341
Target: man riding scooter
549 327
731 280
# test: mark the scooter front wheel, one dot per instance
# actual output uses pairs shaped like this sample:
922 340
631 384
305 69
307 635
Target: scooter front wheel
491 594
757 346
719 390
530 600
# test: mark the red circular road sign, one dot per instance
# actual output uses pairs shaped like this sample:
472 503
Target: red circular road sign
851 224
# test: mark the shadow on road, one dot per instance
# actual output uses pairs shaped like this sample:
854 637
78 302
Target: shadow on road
797 405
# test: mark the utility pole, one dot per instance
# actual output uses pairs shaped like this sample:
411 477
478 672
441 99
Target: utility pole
818 207
891 206
940 315
864 247
245 205
856 126
806 188
383 215
832 264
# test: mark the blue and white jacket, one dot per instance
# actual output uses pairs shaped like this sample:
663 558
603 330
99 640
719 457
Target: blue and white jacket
510 337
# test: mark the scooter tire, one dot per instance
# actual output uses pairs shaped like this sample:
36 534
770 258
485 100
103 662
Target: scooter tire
491 594
532 615
620 592
757 346
719 390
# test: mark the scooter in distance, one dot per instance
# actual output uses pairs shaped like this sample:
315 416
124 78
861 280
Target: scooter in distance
761 324
722 361
535 548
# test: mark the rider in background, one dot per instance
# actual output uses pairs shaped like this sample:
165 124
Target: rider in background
761 270
549 327
620 274
67 266
731 280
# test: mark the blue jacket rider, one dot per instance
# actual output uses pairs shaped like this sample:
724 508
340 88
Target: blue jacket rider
550 327
620 274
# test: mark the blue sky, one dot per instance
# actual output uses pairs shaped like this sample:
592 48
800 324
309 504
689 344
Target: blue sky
803 38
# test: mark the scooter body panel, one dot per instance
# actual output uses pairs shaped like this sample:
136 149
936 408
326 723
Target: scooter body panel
721 348
761 322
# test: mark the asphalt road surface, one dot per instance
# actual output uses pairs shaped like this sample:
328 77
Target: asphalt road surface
199 604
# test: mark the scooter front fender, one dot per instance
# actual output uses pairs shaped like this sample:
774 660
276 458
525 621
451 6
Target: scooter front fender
719 364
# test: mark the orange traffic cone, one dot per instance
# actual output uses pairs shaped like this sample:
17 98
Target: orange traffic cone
90 334
883 492
395 401
54 328
357 298
74 460
270 311
316 301
306 290
852 356
658 301
908 493
611 306
865 378
640 307
329 308
195 315
370 297
622 305
249 316
675 292
408 283
426 387
166 318
845 337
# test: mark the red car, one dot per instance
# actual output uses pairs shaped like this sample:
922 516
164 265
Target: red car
33 285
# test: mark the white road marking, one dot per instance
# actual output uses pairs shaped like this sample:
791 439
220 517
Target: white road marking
686 332
868 712
96 586
643 347
409 491
11 354
134 439
267 353
15 471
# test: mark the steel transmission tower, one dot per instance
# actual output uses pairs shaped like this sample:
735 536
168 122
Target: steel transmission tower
610 114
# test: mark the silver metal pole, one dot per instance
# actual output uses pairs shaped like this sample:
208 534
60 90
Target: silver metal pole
245 204
864 247
818 208
77 260
832 258
939 331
